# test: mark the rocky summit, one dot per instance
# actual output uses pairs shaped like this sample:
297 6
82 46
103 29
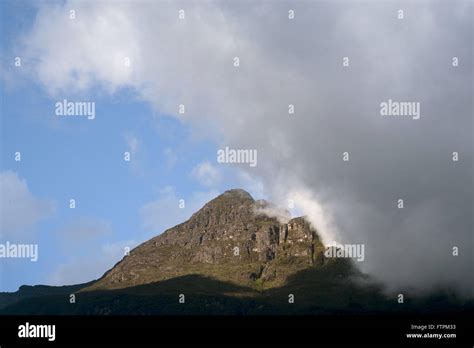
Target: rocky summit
230 239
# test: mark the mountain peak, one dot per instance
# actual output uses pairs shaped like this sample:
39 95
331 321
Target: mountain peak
237 192
232 207
233 196
229 238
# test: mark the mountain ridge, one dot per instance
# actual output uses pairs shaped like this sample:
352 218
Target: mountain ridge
229 234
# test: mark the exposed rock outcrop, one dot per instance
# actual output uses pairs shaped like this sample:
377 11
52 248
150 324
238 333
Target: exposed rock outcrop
227 239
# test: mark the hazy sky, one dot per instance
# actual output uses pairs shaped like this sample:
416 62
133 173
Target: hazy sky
138 61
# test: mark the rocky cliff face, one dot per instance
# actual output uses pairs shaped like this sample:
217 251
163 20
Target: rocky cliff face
227 239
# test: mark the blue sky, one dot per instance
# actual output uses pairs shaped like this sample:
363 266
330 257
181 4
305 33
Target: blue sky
83 160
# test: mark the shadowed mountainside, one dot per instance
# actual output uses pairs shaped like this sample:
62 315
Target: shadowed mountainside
330 289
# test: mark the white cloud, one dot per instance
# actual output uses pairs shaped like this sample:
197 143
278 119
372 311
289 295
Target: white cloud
104 31
207 174
20 211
